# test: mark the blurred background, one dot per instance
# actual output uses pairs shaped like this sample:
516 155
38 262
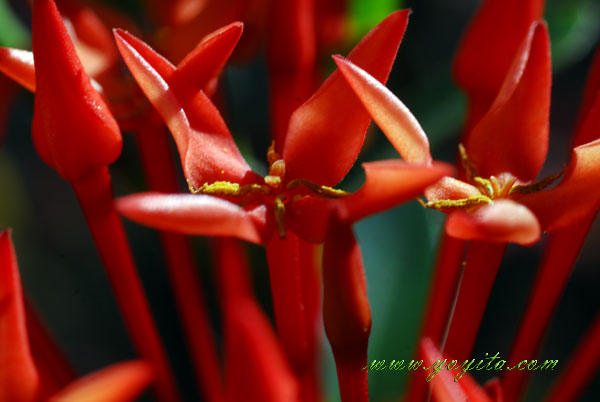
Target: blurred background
62 275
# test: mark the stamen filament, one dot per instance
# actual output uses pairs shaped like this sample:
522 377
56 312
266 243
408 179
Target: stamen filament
323 191
456 204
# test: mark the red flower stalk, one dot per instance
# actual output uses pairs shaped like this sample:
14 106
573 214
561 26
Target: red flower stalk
19 378
346 309
291 205
79 138
560 252
266 374
508 206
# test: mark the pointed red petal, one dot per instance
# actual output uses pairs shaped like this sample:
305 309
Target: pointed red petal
395 120
265 375
18 65
575 197
122 382
19 380
205 62
207 151
334 118
390 183
77 135
192 214
485 54
513 135
503 221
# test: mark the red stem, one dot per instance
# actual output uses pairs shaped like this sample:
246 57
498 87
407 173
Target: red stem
560 254
96 200
352 380
482 263
581 369
54 368
154 146
439 305
296 294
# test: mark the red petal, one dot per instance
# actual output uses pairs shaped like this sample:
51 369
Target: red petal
265 375
207 151
19 380
390 183
450 188
122 382
77 135
503 221
575 197
206 61
513 135
489 45
192 214
394 119
588 125
334 119
18 65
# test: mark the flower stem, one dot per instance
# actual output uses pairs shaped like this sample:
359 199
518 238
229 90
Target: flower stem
482 264
96 200
446 277
560 254
154 146
295 290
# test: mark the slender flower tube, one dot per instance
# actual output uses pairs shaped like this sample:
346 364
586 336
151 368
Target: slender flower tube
256 366
19 377
292 204
79 138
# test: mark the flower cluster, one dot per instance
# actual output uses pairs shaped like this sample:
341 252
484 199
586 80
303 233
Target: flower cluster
91 83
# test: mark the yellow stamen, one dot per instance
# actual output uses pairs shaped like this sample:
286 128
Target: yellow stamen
279 215
323 191
463 203
537 185
467 165
228 189
272 155
273 181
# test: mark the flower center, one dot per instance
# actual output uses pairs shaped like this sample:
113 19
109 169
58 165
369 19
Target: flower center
490 189
274 189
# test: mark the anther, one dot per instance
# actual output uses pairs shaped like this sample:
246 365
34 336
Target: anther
323 191
279 209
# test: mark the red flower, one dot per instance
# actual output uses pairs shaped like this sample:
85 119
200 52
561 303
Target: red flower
293 203
19 378
503 154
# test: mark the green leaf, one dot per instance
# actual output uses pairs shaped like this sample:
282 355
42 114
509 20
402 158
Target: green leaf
365 14
12 33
